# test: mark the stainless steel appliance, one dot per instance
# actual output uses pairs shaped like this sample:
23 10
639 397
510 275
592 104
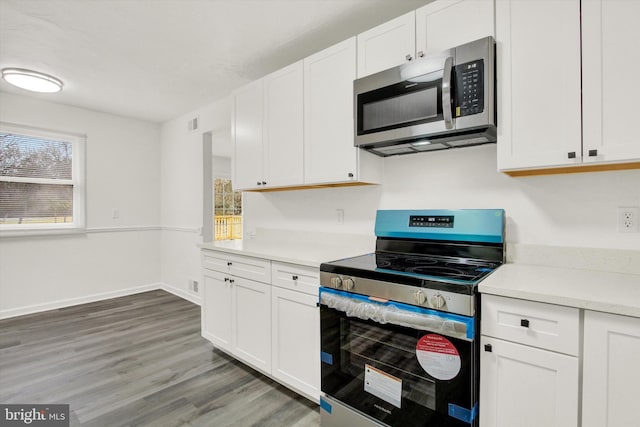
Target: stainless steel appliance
399 327
441 101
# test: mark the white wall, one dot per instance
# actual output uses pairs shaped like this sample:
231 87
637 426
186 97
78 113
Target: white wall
181 206
571 210
115 256
578 210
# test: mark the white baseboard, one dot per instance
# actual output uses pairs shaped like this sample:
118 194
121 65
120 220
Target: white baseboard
189 296
69 302
54 305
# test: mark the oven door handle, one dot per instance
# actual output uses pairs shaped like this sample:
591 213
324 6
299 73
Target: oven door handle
452 325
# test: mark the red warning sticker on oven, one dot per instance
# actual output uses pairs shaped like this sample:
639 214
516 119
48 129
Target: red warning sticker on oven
438 357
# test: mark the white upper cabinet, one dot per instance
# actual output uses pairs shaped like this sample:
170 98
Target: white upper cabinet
444 24
283 129
329 153
387 45
567 95
268 131
247 129
610 59
538 73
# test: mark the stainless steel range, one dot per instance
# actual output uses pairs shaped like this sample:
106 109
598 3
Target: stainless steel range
399 327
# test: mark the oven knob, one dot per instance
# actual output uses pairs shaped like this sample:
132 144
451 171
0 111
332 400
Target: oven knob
348 283
336 282
419 297
437 301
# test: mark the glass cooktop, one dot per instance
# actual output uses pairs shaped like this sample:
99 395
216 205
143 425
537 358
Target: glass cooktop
427 267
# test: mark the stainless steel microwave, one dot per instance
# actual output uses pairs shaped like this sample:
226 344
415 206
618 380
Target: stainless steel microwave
441 101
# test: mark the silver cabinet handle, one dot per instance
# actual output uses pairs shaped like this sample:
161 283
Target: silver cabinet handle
446 93
409 57
420 54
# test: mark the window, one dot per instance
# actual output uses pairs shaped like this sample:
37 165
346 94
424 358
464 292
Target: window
227 210
41 180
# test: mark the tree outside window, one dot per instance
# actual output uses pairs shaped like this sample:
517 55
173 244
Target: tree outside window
227 210
41 179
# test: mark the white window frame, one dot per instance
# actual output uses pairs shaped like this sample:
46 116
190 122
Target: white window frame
78 179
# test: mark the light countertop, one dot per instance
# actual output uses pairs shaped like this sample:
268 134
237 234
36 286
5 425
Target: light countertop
617 293
298 248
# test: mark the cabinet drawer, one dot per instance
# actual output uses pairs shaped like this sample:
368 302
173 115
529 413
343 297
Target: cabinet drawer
546 326
216 261
295 277
240 266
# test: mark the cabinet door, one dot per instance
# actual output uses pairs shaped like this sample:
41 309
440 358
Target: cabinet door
387 45
283 131
611 372
216 309
522 386
247 136
444 24
329 154
251 325
296 340
538 74
611 57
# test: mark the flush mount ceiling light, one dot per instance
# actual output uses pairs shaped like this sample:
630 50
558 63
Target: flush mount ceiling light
31 80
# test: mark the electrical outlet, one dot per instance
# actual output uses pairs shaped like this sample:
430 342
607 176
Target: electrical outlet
628 218
193 285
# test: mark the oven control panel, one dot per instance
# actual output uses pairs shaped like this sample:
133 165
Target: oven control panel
380 290
440 221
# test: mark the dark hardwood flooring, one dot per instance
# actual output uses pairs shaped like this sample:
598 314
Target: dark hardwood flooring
138 360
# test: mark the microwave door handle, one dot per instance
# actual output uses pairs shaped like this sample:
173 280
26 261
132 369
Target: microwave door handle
446 93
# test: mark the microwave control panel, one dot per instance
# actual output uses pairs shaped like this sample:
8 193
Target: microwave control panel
469 95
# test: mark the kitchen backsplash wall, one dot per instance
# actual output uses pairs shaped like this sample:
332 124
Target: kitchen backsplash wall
578 210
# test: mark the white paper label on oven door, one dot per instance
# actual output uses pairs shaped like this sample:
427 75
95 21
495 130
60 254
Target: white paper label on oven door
382 385
438 357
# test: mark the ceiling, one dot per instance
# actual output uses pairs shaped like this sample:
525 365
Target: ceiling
158 59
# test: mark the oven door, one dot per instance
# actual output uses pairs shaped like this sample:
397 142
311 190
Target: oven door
398 364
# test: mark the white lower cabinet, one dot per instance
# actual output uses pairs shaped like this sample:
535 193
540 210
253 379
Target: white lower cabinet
526 386
251 324
296 340
236 317
265 314
216 309
529 365
295 320
611 371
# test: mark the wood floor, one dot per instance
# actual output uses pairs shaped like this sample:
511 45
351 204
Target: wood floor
138 361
